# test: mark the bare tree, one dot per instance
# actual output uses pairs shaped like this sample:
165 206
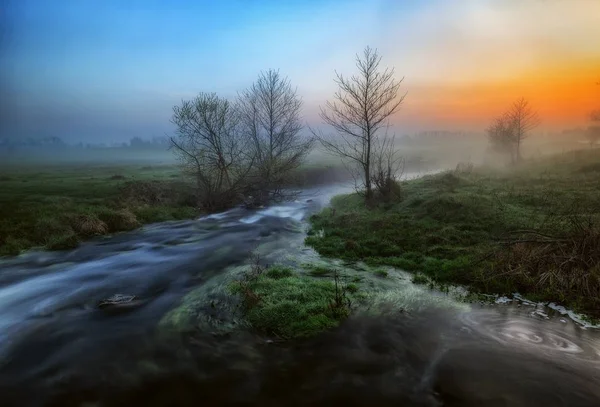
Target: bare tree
593 132
524 119
501 135
362 106
210 148
510 129
270 116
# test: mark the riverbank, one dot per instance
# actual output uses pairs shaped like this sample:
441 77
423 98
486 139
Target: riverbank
55 207
533 229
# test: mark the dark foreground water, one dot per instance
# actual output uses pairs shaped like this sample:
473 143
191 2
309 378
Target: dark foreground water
186 344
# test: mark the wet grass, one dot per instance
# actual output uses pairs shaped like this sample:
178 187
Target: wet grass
57 207
284 303
467 227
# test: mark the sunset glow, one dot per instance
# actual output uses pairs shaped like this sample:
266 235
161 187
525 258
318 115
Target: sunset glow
110 70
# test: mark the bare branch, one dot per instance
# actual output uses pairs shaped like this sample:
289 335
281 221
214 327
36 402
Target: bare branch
362 105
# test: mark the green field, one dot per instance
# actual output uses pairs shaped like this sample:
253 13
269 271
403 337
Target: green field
533 229
57 206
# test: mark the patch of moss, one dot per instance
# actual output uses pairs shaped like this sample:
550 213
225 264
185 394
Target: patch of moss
287 304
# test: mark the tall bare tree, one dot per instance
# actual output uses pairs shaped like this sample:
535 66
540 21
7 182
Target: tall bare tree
511 128
210 148
361 109
524 119
270 116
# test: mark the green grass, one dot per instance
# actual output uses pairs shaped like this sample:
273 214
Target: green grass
57 206
286 304
420 279
447 224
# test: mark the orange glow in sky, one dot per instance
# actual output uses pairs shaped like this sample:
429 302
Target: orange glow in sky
563 94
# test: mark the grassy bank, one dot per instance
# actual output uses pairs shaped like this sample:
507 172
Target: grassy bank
534 229
58 206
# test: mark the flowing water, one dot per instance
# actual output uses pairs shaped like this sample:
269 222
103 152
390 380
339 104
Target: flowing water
186 344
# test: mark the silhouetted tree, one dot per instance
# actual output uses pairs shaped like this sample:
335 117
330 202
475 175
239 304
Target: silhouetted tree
210 147
501 135
523 119
270 116
361 108
510 129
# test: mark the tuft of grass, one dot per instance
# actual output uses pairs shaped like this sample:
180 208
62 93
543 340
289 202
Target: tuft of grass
88 225
118 220
420 279
320 271
352 288
381 273
277 272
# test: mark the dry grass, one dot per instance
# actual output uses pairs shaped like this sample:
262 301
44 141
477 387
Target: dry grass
565 264
119 220
88 225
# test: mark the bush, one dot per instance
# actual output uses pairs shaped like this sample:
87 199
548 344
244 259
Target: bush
118 220
88 225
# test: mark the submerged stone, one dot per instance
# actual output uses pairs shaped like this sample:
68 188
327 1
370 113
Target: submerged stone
120 303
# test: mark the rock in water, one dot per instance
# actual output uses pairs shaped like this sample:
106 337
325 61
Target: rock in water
120 302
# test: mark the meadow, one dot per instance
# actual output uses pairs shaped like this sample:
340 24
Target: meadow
534 229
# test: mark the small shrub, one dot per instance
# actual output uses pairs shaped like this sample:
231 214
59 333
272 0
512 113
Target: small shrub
119 220
277 272
117 177
88 225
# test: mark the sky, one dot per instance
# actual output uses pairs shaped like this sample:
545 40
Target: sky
109 70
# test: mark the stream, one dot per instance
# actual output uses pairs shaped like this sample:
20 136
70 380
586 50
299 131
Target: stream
187 345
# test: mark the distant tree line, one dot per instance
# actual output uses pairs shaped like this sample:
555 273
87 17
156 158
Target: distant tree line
15 144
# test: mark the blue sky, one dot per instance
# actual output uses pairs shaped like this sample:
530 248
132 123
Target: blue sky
107 70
